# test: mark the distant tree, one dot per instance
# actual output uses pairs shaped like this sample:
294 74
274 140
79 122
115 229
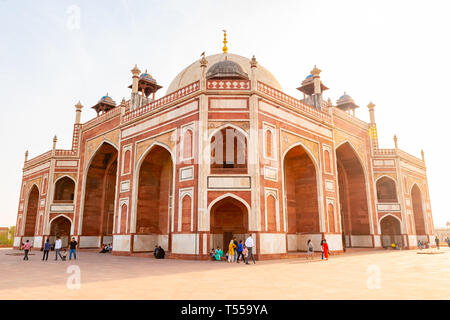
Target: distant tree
4 238
12 232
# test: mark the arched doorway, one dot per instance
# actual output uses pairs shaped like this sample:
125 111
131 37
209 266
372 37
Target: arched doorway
419 221
154 201
228 220
390 231
355 218
228 151
301 198
32 210
60 227
98 214
386 190
64 190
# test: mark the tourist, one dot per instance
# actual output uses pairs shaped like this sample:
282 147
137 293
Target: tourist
310 252
64 255
249 245
245 253
448 242
219 254
321 247
231 250
235 251
26 248
212 254
110 248
47 247
240 248
437 242
393 245
155 252
58 246
73 249
161 253
325 249
419 244
104 249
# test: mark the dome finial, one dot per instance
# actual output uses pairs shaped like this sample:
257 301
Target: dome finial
225 49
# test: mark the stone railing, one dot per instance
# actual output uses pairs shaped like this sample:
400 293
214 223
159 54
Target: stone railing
297 104
384 152
228 84
157 104
104 117
45 156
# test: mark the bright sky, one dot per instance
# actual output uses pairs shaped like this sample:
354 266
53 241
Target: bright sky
395 53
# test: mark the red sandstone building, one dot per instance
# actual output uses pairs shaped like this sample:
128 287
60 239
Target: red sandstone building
225 153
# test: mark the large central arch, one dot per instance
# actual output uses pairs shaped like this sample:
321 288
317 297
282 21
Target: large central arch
154 199
228 220
419 219
301 197
98 213
353 197
32 210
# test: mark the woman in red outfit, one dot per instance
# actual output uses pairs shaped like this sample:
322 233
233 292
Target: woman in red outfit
325 249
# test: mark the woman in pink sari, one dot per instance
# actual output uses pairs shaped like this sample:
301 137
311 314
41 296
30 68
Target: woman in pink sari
325 249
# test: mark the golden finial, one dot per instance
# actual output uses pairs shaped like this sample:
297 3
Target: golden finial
371 105
225 49
395 141
423 155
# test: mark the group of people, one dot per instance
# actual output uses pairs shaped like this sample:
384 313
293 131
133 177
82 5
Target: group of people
159 252
59 250
323 247
106 248
236 250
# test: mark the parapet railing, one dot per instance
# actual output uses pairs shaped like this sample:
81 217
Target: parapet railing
104 117
384 152
297 104
157 104
228 84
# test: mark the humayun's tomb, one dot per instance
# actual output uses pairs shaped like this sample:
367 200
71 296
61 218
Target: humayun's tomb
225 153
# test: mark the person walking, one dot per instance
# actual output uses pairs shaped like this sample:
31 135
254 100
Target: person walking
73 249
249 245
47 247
310 252
321 247
240 249
26 248
325 249
58 246
448 242
231 250
436 239
235 250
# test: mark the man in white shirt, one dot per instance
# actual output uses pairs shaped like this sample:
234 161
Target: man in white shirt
249 245
58 246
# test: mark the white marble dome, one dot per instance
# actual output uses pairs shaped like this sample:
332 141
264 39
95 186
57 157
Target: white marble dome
193 72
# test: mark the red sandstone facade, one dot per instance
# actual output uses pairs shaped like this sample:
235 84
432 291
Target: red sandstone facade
165 171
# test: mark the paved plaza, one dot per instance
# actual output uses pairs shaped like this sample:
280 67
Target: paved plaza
379 274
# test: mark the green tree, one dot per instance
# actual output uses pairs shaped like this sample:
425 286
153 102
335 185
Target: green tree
12 232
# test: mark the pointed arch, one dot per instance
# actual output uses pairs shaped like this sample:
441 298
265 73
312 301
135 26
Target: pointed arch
229 218
386 188
301 191
31 212
153 189
135 191
99 191
354 195
419 215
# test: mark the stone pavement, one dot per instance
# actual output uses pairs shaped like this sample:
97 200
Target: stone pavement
380 274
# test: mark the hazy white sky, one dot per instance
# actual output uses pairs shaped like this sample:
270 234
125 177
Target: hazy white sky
396 53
